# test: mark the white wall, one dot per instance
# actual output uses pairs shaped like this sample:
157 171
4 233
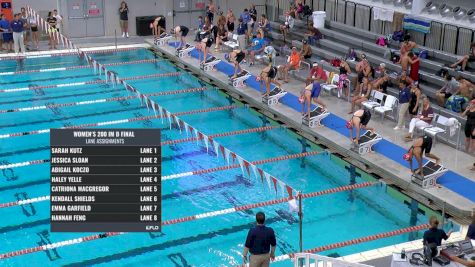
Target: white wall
43 6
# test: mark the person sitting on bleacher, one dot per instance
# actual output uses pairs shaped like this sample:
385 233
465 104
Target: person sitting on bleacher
344 70
423 120
264 24
317 74
382 79
451 87
221 37
421 145
257 47
292 63
362 93
363 69
465 59
406 46
313 34
306 51
467 88
288 24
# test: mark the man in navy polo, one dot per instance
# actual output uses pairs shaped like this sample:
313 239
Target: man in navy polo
18 26
259 242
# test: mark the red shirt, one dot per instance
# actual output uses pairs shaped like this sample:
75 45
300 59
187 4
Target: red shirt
318 72
414 74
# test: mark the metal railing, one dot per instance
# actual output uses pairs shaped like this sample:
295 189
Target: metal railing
308 259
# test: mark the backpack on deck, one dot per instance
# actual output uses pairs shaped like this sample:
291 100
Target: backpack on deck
381 41
423 54
398 36
336 62
455 103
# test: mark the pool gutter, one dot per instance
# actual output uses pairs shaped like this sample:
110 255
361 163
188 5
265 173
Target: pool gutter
453 204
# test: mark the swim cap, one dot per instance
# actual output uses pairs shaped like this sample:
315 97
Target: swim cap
348 125
406 156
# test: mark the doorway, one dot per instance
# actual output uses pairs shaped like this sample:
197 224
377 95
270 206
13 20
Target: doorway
85 18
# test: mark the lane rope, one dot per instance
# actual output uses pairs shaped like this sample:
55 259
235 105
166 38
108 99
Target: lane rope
178 221
180 175
114 122
71 53
103 100
78 67
32 88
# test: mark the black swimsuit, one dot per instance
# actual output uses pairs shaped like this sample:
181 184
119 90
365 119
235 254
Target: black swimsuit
240 56
470 124
230 26
272 72
364 119
184 31
209 42
412 104
426 144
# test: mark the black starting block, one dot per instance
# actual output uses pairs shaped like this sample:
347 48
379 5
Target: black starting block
240 79
210 63
274 96
366 142
431 173
162 39
316 116
184 50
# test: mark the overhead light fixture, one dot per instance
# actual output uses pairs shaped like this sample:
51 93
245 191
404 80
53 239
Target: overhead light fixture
445 10
459 13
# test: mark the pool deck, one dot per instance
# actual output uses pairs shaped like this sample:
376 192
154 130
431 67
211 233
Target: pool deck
437 198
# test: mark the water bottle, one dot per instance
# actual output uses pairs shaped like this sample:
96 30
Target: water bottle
403 254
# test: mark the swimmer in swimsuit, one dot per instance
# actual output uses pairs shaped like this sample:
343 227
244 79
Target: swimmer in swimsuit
312 91
182 32
421 145
267 77
360 119
236 57
206 43
156 26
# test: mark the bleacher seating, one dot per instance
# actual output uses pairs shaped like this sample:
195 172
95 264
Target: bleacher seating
339 38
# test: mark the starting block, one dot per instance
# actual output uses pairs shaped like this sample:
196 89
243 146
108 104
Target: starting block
210 63
274 96
162 39
431 173
184 50
316 116
366 142
240 79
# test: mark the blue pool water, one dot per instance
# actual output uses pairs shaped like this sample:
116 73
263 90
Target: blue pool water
216 241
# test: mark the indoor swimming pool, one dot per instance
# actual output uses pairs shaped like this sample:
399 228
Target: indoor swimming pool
31 103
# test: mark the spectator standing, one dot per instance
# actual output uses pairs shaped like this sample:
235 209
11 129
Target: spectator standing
404 98
344 70
317 74
253 14
414 73
260 243
230 19
435 235
211 10
124 18
416 94
51 20
406 46
6 32
242 32
407 61
25 19
451 87
18 28
470 133
59 20
424 119
35 36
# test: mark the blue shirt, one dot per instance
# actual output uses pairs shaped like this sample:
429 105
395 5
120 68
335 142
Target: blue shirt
404 95
260 239
471 231
258 43
245 17
241 29
17 25
4 24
